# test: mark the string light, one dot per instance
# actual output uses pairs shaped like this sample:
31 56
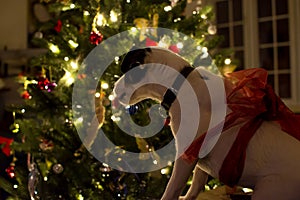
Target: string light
54 48
111 97
179 45
72 5
86 13
97 94
115 118
101 21
74 65
227 61
73 44
113 16
164 171
80 197
66 58
203 16
104 85
167 8
117 60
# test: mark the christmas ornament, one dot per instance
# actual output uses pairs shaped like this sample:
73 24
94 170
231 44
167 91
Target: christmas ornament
96 37
142 24
132 109
26 95
10 170
50 86
58 168
6 145
42 82
150 42
38 34
58 26
174 48
33 181
46 145
212 29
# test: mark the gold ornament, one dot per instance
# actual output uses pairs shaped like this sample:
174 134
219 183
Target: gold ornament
142 24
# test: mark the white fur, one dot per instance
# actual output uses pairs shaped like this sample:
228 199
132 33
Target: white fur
273 157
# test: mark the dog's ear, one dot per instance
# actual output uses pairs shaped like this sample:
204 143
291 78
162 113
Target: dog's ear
134 58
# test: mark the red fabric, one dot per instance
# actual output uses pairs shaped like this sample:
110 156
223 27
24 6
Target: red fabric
252 101
6 147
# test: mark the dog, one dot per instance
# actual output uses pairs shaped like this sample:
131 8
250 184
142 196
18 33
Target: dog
257 148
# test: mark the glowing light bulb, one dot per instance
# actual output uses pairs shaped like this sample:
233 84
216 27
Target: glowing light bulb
104 85
133 29
227 61
72 5
54 48
111 97
73 44
66 58
164 171
97 94
74 65
167 8
86 13
113 16
203 16
179 45
80 197
101 21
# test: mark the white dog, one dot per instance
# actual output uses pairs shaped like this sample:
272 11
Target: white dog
267 161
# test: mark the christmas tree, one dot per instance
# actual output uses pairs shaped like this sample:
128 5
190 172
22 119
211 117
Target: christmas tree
49 158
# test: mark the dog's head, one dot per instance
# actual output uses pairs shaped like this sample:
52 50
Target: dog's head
133 72
142 68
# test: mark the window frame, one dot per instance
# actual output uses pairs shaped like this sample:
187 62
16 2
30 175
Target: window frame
251 44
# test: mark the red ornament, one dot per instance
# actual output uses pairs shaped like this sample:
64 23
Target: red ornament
26 95
96 37
174 48
10 170
150 42
42 82
58 26
6 147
